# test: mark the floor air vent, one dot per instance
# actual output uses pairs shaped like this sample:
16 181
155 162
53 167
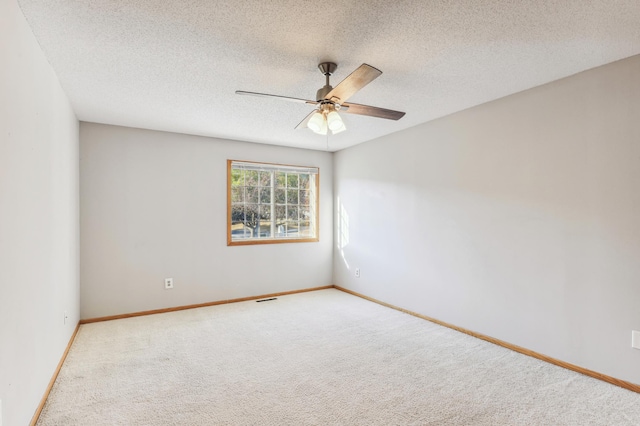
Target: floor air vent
266 300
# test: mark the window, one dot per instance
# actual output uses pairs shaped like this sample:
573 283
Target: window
271 203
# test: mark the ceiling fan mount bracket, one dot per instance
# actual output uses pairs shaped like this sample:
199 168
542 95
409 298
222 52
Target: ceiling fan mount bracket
327 68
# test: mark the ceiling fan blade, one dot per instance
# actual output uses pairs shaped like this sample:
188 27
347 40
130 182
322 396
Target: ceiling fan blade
355 81
372 111
303 123
284 98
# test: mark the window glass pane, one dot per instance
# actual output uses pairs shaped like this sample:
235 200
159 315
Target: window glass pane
281 179
304 180
265 214
264 232
305 229
237 213
265 195
292 228
281 196
237 194
292 180
238 231
251 195
237 177
264 229
265 178
281 215
304 197
292 212
305 213
238 228
251 178
292 196
251 216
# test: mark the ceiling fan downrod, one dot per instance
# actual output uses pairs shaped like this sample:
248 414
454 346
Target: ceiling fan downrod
326 68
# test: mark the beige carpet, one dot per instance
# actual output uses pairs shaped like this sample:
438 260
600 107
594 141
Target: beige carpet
319 358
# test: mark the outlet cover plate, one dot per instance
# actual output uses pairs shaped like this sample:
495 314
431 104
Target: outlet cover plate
168 283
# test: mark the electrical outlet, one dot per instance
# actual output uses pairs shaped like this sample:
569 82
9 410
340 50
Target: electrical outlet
357 272
168 283
66 317
635 339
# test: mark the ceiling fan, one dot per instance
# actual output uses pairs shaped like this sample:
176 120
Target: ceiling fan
330 100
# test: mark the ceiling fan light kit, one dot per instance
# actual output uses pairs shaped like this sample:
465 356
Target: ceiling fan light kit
326 117
317 123
334 121
330 100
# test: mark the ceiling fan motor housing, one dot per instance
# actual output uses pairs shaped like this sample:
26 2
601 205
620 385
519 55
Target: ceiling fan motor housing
321 94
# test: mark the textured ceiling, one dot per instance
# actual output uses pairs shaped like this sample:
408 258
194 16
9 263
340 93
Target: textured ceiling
174 65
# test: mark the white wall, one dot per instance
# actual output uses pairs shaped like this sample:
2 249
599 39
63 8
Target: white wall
153 205
38 219
519 219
